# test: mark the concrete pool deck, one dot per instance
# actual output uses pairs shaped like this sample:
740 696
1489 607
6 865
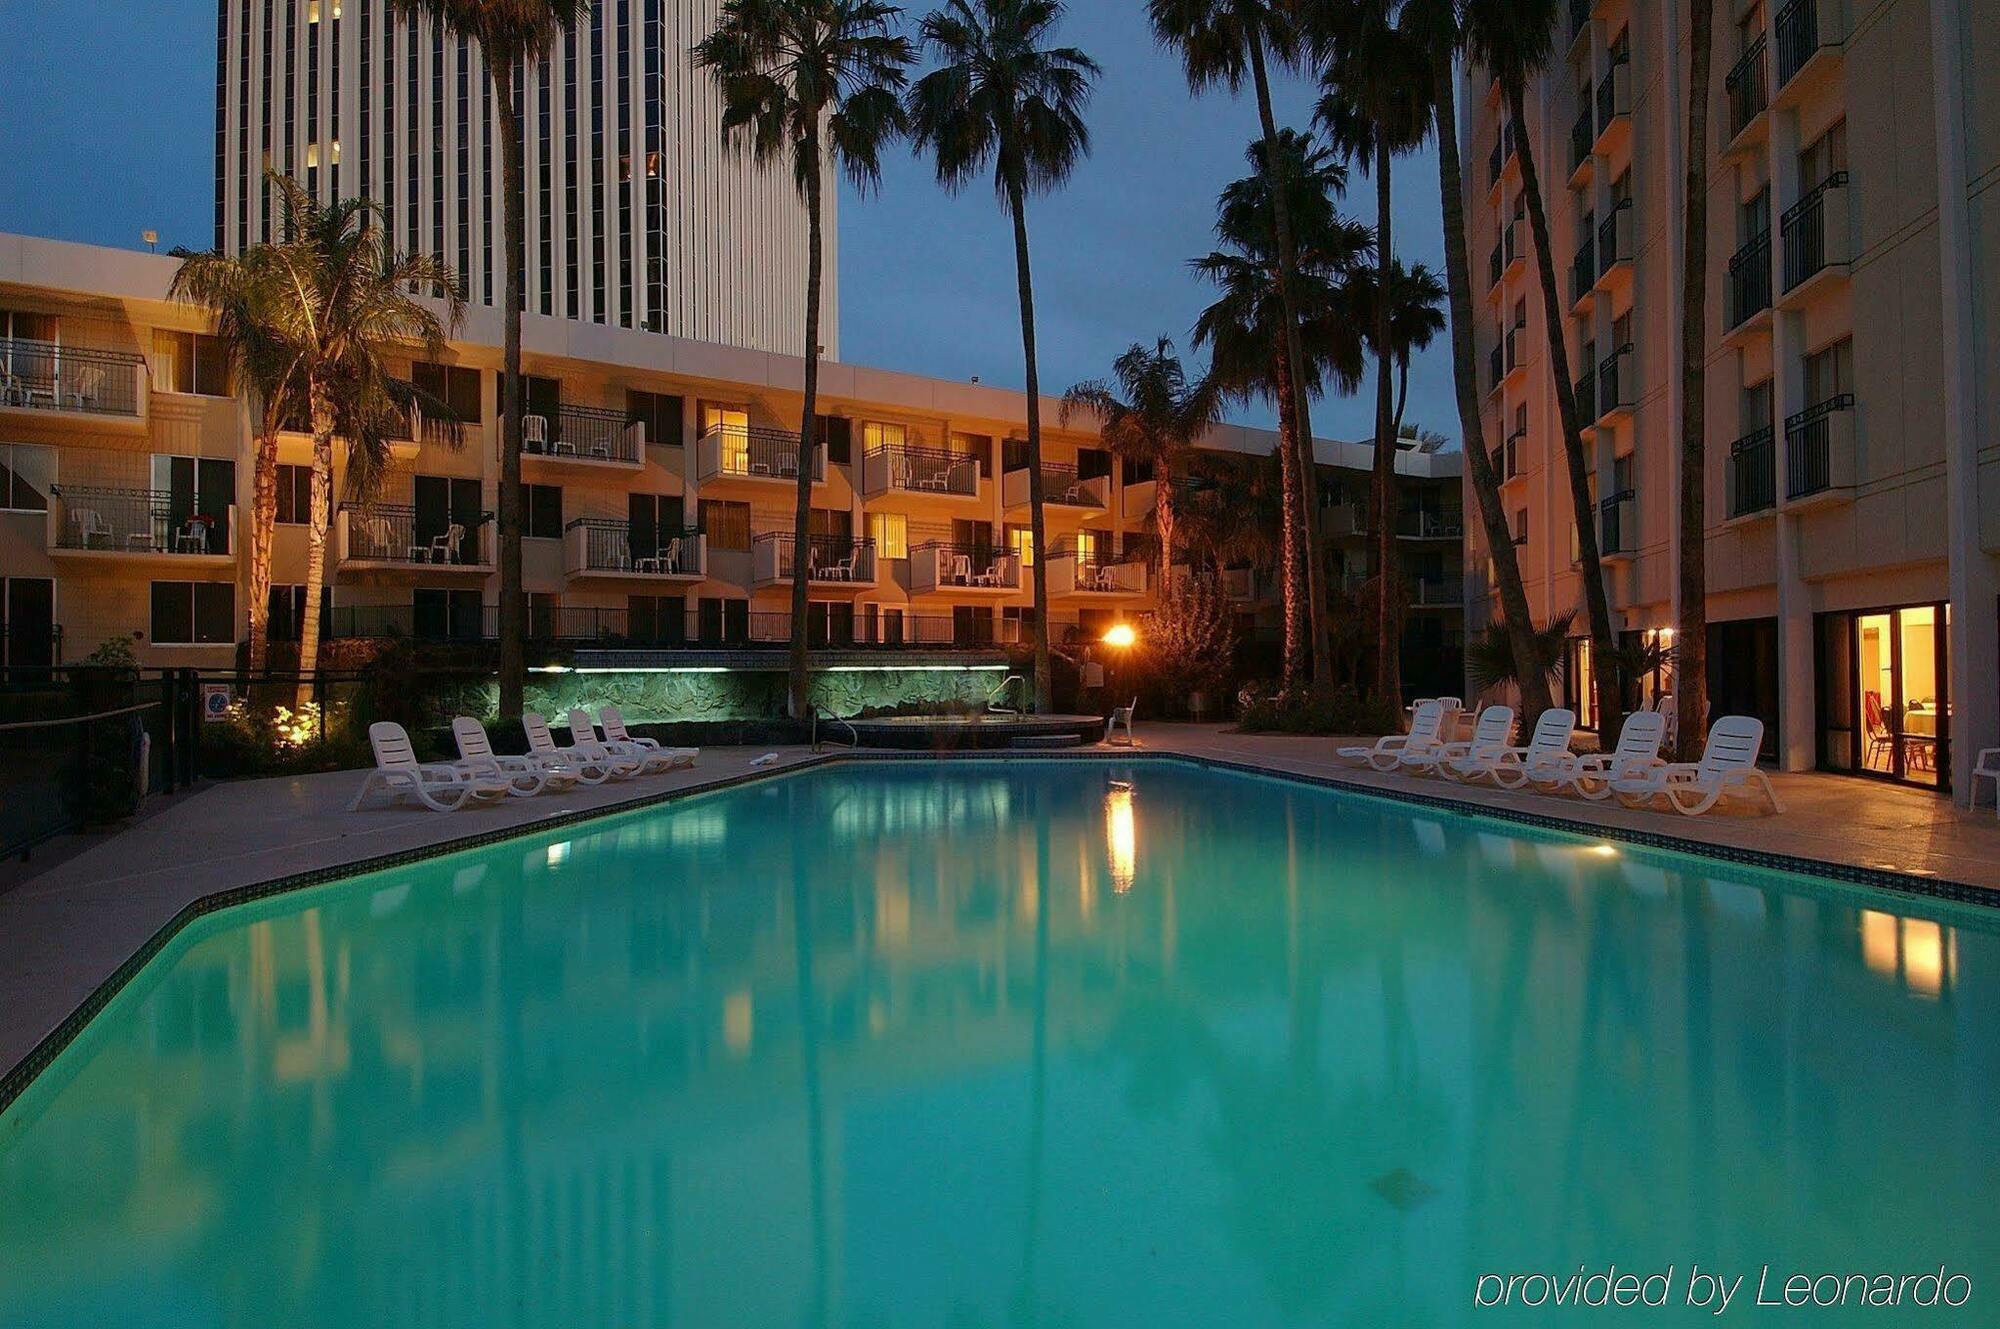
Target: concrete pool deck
68 928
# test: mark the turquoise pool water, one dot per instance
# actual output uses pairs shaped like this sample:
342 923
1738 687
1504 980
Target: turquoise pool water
997 1044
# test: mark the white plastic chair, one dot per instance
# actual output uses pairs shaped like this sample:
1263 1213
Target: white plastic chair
583 741
1387 751
1475 756
535 432
1545 755
616 737
1638 749
541 743
1728 766
1122 716
525 776
439 786
1987 768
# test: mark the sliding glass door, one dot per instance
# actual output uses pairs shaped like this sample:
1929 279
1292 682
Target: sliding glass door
1884 704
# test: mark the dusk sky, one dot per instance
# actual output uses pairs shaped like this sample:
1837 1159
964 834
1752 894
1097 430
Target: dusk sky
110 126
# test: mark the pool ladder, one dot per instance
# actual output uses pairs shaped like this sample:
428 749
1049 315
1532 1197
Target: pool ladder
994 707
854 735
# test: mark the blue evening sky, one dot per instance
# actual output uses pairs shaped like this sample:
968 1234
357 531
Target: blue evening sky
109 131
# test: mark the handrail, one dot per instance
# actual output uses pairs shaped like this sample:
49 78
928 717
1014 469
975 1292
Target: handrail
854 735
1812 197
1818 411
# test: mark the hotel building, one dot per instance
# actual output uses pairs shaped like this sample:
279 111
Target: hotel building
637 216
1853 498
661 479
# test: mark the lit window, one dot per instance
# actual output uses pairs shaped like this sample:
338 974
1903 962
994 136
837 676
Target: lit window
878 434
1021 539
892 534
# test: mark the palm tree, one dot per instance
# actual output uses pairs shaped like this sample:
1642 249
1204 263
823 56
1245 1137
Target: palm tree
815 83
241 294
1159 421
344 309
1221 42
1436 24
1245 329
1513 40
1416 317
1231 507
1491 661
1375 104
512 35
1003 95
1691 646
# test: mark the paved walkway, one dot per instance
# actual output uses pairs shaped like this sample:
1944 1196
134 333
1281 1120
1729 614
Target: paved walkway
66 930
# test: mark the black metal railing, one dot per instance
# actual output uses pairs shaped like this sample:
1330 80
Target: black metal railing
828 557
747 451
1583 271
1804 230
1798 37
586 433
46 375
1617 523
1613 383
927 470
1750 280
1749 90
1436 592
1494 265
1442 524
394 533
1809 446
1581 135
1607 93
608 544
1610 252
1493 163
1586 396
694 629
1513 446
1061 484
1753 473
960 564
138 521
1497 364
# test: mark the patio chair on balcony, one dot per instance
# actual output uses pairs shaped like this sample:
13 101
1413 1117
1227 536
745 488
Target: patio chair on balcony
445 548
91 530
995 574
12 393
192 537
86 387
535 433
961 570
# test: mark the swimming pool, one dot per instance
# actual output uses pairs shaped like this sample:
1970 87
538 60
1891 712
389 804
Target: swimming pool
1013 1042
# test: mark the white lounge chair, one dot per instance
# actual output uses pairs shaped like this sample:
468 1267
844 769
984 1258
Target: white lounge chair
1545 755
1476 756
1638 749
1728 766
438 786
589 768
526 776
1121 715
624 763
1987 768
612 721
1389 749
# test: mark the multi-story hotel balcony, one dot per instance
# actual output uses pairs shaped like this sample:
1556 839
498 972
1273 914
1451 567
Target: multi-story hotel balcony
1436 592
1342 521
1583 271
1617 386
1517 349
1496 365
1750 283
963 570
1061 487
1751 481
395 542
1501 159
1442 524
1085 576
1809 48
1614 107
89 523
1614 249
1582 137
583 436
1507 459
832 561
55 380
1748 85
1815 235
1819 451
1585 389
738 458
1618 527
611 549
1579 22
898 478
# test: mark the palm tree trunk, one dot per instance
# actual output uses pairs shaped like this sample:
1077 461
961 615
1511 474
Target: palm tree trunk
801 654
1388 622
1163 518
321 519
1691 644
1302 440
1044 678
1534 683
1402 397
513 597
263 530
1290 545
1604 638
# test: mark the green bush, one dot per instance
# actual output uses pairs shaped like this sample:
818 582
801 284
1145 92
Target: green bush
1326 710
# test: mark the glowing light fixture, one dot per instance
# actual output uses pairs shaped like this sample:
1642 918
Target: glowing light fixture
1120 635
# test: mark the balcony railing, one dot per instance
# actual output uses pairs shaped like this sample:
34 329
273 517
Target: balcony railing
920 471
1615 382
137 521
1448 524
1614 97
1753 473
1618 524
1586 396
1750 280
610 545
830 559
393 533
1582 134
939 565
1579 17
1495 264
1060 485
1614 238
1583 271
1496 364
584 433
49 376
692 629
1074 573
1811 460
1749 91
1798 37
753 452
1804 227
1517 347
1436 592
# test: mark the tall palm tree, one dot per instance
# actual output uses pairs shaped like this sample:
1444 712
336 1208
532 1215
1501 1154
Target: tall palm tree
814 83
512 36
1691 645
1231 507
1221 43
1003 95
1375 105
241 293
1416 317
1435 22
1159 421
345 310
1513 40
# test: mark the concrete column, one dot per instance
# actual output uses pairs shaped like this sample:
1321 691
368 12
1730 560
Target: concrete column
1797 694
690 486
1975 582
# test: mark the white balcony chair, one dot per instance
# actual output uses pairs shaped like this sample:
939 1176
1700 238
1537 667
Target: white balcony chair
444 548
439 786
192 538
1728 766
612 721
1122 716
589 769
961 570
1387 751
525 776
90 528
86 387
535 432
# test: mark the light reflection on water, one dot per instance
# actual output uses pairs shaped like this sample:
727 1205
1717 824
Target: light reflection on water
990 1044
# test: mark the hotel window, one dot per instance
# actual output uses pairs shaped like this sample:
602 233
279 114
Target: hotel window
836 433
1021 543
1757 407
1014 454
1824 158
660 413
726 524
595 159
1520 526
656 619
732 424
892 534
27 471
543 512
1090 546
1093 464
876 434
457 387
976 445
191 362
1830 372
436 613
193 613
294 495
287 613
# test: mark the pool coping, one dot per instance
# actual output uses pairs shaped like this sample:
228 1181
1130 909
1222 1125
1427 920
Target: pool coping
16 1079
